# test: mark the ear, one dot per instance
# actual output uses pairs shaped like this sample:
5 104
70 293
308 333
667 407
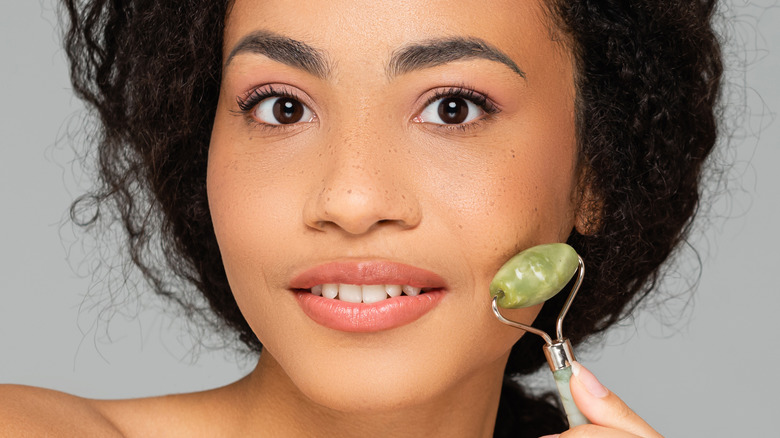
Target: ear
590 206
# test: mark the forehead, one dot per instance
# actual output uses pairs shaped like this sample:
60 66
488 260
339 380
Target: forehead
367 31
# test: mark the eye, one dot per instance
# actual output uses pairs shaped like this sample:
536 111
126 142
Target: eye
274 106
456 106
282 110
450 111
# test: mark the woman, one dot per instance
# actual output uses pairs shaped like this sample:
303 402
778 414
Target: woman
288 151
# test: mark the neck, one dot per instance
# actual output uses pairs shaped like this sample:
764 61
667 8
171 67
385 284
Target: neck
268 401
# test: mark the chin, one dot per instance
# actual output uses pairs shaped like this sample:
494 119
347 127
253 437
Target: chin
390 377
371 395
369 380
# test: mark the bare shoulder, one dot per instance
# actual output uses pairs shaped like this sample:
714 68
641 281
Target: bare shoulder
191 415
32 412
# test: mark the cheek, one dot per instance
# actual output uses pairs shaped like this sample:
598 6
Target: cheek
509 198
538 182
239 212
244 206
242 216
248 196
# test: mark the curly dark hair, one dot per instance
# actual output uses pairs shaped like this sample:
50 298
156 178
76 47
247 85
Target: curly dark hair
647 78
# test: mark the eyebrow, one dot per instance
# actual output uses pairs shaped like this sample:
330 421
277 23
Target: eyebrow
416 56
441 51
283 49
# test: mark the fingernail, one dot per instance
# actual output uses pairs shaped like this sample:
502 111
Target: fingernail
588 380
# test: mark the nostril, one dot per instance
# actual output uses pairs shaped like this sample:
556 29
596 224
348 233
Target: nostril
358 207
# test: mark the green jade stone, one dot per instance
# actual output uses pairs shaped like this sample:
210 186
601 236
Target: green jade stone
535 275
562 378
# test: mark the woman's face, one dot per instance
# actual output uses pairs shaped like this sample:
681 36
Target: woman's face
387 142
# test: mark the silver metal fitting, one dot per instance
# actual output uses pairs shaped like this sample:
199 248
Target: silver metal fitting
559 354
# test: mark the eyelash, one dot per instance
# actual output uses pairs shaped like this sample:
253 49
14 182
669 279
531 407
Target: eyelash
249 101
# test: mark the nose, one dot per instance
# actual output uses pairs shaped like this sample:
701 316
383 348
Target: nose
364 186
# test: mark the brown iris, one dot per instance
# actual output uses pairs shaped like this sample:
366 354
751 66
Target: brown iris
453 110
287 110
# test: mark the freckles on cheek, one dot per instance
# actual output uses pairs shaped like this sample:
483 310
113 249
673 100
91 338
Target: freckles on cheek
515 203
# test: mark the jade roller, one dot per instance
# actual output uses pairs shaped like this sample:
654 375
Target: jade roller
532 277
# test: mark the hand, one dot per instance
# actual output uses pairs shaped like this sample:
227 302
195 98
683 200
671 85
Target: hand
609 415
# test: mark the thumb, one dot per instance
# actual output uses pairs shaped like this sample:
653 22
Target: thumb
602 407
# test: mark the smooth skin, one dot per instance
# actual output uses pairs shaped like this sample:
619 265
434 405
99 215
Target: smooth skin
370 171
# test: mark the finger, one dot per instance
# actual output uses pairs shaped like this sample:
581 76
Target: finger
593 431
604 408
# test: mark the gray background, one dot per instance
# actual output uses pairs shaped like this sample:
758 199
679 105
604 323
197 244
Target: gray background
710 372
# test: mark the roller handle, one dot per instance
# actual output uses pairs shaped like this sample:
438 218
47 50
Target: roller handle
562 378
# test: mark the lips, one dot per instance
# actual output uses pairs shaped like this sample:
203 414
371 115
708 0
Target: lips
408 294
367 272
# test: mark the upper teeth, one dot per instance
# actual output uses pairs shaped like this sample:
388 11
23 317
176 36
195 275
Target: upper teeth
366 293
